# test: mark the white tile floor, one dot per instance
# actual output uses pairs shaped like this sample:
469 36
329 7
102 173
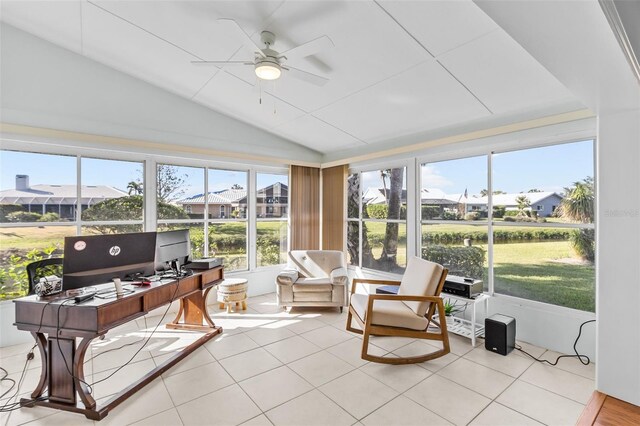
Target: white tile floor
303 368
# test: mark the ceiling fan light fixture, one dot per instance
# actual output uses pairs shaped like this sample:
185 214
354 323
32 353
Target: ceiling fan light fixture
268 70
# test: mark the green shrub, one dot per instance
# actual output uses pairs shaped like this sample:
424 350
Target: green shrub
472 216
461 261
430 212
50 217
451 215
378 211
6 208
583 242
499 211
509 219
23 217
13 275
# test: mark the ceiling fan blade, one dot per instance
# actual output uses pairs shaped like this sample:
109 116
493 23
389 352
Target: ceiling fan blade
220 63
306 76
306 49
233 26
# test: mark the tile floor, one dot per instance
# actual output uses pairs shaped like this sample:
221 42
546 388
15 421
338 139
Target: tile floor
303 368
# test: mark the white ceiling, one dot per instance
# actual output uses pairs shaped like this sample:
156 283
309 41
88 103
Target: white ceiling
397 68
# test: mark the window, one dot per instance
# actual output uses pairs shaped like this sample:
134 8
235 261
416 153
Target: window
545 254
38 194
112 196
272 200
453 206
227 221
181 203
377 228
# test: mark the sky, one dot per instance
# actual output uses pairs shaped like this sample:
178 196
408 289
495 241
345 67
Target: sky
547 169
61 170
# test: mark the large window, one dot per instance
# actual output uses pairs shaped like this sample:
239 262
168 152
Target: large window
39 207
377 219
227 226
272 212
543 232
453 210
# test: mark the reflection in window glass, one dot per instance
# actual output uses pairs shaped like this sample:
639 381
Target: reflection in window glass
110 229
111 190
228 240
454 189
272 195
227 194
462 249
20 246
540 264
272 242
37 187
180 192
196 235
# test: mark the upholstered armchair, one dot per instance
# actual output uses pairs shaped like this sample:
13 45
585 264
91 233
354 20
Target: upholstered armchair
313 278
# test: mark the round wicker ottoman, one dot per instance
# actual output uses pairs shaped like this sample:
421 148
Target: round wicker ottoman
233 291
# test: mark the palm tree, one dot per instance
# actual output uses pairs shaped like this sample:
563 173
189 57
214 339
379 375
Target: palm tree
523 202
384 174
578 206
135 188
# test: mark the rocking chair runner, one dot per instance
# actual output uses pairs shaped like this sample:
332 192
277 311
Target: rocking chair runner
407 314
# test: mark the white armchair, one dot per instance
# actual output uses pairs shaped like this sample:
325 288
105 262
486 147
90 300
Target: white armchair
313 278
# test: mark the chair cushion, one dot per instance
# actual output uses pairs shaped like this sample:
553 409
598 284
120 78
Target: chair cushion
309 296
421 278
312 285
388 312
315 263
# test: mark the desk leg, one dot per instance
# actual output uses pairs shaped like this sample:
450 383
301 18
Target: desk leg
193 309
41 342
78 373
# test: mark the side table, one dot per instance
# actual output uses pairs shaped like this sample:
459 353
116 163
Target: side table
233 291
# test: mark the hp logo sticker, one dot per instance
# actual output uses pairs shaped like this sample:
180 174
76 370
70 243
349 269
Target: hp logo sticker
114 251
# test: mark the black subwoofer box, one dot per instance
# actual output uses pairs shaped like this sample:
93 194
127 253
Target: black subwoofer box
500 334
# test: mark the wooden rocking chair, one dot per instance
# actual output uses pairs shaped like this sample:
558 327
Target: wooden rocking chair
407 314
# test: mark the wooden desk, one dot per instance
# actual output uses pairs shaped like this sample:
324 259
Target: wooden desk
68 339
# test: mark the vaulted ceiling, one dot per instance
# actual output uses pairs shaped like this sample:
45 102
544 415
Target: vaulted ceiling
397 68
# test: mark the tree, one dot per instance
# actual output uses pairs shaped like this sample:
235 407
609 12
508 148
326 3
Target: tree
578 206
126 208
236 186
522 201
532 190
388 259
484 192
134 187
170 184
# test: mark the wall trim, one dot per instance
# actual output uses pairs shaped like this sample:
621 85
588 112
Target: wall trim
18 129
465 137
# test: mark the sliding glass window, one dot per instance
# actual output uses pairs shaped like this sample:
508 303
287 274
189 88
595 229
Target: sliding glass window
272 213
454 215
543 224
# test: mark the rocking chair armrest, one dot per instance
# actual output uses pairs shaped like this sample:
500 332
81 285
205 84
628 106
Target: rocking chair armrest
357 281
404 297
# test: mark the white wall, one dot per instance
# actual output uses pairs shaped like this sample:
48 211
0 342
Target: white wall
574 41
43 85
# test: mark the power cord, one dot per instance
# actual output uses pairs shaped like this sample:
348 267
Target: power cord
575 343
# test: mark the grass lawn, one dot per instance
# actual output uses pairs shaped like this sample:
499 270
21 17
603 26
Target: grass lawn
30 238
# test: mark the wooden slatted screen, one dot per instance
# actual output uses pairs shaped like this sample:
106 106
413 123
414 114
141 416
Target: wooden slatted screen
305 208
334 181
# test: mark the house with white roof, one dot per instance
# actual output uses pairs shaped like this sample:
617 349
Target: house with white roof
60 199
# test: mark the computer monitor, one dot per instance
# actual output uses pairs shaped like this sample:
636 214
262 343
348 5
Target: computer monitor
173 249
96 259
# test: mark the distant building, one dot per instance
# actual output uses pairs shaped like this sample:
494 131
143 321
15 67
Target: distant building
271 201
60 199
544 203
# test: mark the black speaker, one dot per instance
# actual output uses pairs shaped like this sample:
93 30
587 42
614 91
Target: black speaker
500 334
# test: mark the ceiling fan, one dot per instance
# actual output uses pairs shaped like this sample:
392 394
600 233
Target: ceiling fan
268 63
